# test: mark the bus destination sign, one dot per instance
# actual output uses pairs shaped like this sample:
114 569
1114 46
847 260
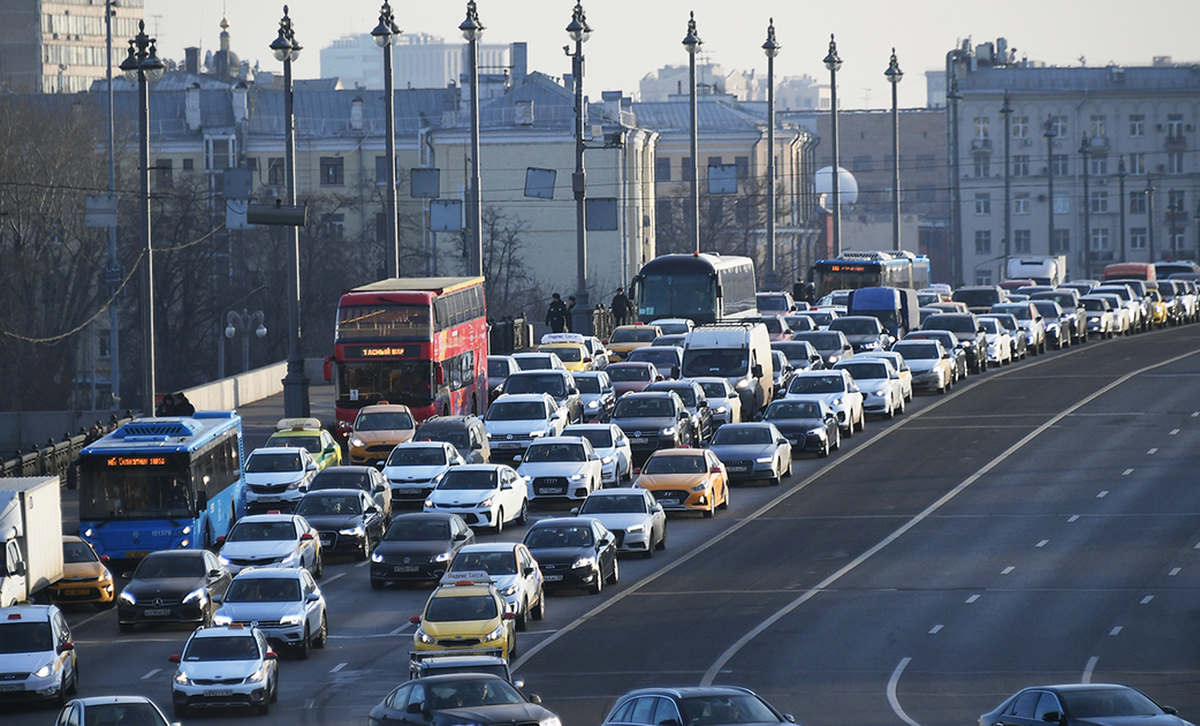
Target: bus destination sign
379 351
137 461
852 268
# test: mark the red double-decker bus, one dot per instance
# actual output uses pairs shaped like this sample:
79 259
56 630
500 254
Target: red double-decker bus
419 341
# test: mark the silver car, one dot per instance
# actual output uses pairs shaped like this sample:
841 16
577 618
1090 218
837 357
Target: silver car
286 605
514 572
632 515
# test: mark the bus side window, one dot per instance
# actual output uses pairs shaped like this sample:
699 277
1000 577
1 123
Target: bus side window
468 367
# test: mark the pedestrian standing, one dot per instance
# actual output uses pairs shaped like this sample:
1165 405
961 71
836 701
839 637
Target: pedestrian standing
556 314
183 407
570 313
620 307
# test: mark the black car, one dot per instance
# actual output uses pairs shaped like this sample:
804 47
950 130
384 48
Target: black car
348 520
668 359
653 421
172 586
972 340
482 699
864 332
694 706
1094 704
418 547
801 354
574 552
367 478
831 344
694 401
808 425
559 384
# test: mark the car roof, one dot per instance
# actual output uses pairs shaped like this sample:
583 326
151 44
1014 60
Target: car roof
262 518
263 573
438 422
522 397
559 440
559 521
384 407
219 631
106 700
441 516
493 546
347 468
616 492
685 691
36 613
683 452
278 450
342 491
443 677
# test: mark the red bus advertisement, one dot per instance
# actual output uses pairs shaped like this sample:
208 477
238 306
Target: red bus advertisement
419 341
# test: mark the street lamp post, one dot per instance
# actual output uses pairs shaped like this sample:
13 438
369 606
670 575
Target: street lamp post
295 383
1121 174
143 66
1006 111
579 31
1050 134
244 322
771 49
692 42
833 63
385 34
113 274
956 244
472 31
894 74
1085 150
1149 192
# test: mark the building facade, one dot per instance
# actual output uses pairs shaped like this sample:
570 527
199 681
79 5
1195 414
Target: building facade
419 60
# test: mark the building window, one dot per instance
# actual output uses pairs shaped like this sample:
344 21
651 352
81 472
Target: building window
1062 203
381 171
663 211
1061 242
189 164
662 168
983 241
1022 241
983 167
1099 201
716 211
1178 242
743 167
1137 164
1021 204
1099 124
1100 239
252 163
926 162
713 161
164 175
1174 125
926 193
1020 127
1059 165
333 226
861 164
689 169
983 277
1137 238
1137 126
275 172
1137 202
981 126
983 205
1176 202
1058 124
1175 162
331 171
1098 166
380 227
220 153
1020 165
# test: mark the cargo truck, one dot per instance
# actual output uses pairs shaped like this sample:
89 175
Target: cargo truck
31 534
1050 270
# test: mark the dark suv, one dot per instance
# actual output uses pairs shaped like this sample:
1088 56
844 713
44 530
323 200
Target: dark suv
653 421
696 403
559 384
864 332
971 337
465 433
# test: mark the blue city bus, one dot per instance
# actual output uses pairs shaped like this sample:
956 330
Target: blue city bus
704 287
161 483
855 269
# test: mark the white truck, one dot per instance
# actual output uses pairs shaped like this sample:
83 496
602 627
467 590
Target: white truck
1042 270
737 351
31 534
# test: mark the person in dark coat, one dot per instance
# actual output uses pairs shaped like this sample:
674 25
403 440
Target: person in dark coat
570 313
557 314
183 407
167 406
620 307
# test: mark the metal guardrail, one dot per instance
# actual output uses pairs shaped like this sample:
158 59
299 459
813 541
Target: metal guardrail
58 458
508 335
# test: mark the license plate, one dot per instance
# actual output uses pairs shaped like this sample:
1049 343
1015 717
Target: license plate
507 445
134 555
12 687
157 612
639 441
268 499
327 540
547 490
407 491
404 568
222 692
736 468
669 502
552 578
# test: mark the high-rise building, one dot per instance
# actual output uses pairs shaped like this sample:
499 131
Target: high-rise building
419 60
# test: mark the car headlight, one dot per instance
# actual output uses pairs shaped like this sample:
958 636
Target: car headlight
296 484
289 620
376 557
577 477
290 559
722 409
832 359
495 635
442 557
509 591
537 434
744 383
44 671
422 637
881 392
223 559
128 598
593 404
355 531
636 528
606 460
815 432
357 442
584 562
222 620
197 594
764 460
256 676
551 721
838 401
182 679
703 486
669 431
488 502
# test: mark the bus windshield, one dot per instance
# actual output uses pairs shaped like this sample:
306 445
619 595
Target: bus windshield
133 492
683 296
393 322
395 381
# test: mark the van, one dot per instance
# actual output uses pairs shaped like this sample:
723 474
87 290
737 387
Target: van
897 308
1130 271
737 351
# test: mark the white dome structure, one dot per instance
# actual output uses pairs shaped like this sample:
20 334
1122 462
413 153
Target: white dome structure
847 186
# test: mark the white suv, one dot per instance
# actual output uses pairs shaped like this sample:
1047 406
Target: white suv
278 477
286 605
228 666
562 467
513 421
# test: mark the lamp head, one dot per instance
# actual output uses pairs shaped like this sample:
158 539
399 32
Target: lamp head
386 32
893 72
152 66
832 61
1084 147
692 41
261 331
129 66
578 28
230 331
1007 108
471 28
284 47
771 47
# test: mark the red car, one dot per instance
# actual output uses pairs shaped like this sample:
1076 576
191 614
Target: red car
634 376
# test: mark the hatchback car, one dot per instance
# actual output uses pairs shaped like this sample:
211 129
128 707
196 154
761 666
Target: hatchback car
1100 319
307 433
464 614
223 667
864 332
112 711
347 520
377 430
696 403
1016 335
414 468
1094 704
276 478
286 605
574 552
418 546
901 366
831 344
632 515
753 451
272 540
999 342
484 495
686 480
561 468
971 340
37 654
808 425
612 446
694 706
949 341
836 388
86 578
365 478
450 699
513 571
173 586
800 354
1031 323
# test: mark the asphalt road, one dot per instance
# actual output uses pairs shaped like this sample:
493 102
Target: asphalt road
1039 524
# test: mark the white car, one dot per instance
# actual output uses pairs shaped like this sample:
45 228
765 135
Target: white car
277 477
225 667
515 573
286 605
999 342
929 362
272 540
563 467
1122 322
901 366
879 383
414 468
539 361
513 421
723 400
484 495
633 515
674 326
836 388
1101 322
38 654
612 446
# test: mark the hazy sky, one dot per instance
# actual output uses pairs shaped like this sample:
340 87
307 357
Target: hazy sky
632 38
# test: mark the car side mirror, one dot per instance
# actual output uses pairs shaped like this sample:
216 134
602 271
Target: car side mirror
331 448
556 416
311 466
1052 717
415 620
214 574
307 536
519 458
757 370
572 391
174 658
574 510
313 597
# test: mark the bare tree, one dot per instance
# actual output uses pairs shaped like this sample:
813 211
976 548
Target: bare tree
510 288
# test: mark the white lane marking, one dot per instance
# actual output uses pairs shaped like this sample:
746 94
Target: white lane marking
891 693
972 599
1195 414
338 667
335 578
400 629
1089 669
1043 543
364 563
1127 472
1173 432
1007 570
1115 631
151 674
935 629
1174 571
1073 518
88 619
1153 451
1102 494
1197 547
1146 600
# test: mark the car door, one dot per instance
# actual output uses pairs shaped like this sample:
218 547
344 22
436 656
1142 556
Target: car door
373 519
216 585
606 548
512 491
1021 710
63 647
531 575
658 518
312 601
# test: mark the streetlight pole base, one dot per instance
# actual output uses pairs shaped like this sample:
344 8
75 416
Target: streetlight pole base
581 316
771 281
295 390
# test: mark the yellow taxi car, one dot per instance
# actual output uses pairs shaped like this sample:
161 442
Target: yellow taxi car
1158 308
686 480
85 576
307 433
625 338
466 612
570 349
377 430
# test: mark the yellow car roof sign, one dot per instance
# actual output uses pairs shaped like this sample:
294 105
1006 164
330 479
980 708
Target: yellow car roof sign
298 424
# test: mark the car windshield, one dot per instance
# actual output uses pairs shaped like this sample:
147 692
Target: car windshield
644 408
390 421
417 456
261 531
796 351
691 464
471 693
555 452
820 318
588 384
468 479
855 326
311 443
672 328
1095 306
339 478
493 563
1021 312
726 709
800 322
460 608
263 589
78 552
771 302
953 323
726 363
418 530
817 384
735 435
569 355
976 298
865 371
685 393
556 536
160 566
499 368
1047 308
714 389
457 438
516 411
1107 702
774 325
640 334
918 351
123 714
661 356
624 374
551 383
25 637
823 340
231 648
623 504
792 409
264 463
329 505
599 436
990 326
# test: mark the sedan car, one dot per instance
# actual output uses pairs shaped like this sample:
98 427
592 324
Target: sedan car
836 388
1100 320
686 480
418 546
286 605
653 421
173 586
626 338
831 344
276 478
499 367
899 364
632 515
112 711
865 332
667 359
1031 323
1016 335
560 385
800 354
1076 704
484 495
535 361
460 698
223 667
949 341
414 468
513 571
999 342
37 654
753 451
612 446
85 578
366 478
575 552
632 377
272 540
723 400
808 425
696 403
598 394
347 520
879 383
561 468
971 340
694 706
930 363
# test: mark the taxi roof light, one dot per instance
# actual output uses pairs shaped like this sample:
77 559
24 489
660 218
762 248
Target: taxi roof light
14 616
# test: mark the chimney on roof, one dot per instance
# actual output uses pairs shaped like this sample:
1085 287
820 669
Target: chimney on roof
519 53
241 107
192 107
191 62
356 114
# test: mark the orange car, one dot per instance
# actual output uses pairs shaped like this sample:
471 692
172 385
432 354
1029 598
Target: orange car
377 430
626 338
86 578
686 480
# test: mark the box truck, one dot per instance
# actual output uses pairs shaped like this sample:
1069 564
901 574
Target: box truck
1042 270
31 534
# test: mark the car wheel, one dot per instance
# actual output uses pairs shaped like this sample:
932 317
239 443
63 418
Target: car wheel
837 439
73 689
902 407
265 707
512 646
890 412
540 612
125 627
305 645
323 633
616 572
824 449
598 581
499 526
376 584
523 515
365 551
523 616
650 546
275 689
662 541
789 469
862 421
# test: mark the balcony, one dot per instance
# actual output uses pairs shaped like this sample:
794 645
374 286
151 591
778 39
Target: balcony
981 146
